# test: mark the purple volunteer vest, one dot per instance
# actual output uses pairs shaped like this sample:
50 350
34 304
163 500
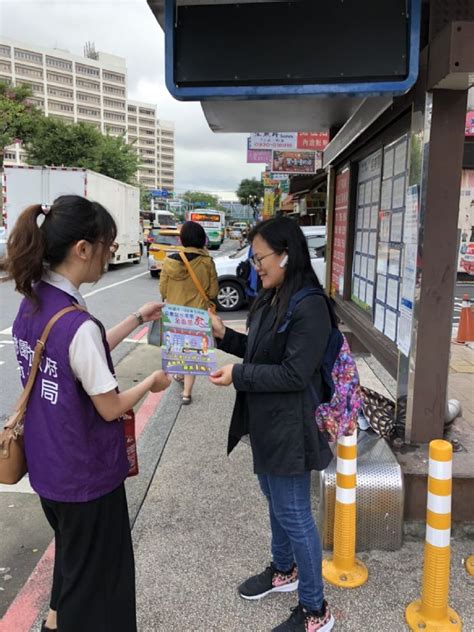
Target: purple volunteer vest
73 454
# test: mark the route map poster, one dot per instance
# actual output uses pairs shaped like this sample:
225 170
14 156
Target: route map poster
188 344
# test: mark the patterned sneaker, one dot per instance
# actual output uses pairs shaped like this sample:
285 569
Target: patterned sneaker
302 620
271 580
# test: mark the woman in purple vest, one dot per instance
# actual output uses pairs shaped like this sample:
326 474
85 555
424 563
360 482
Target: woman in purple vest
74 435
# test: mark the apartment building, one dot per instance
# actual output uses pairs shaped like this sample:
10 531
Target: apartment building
154 140
91 89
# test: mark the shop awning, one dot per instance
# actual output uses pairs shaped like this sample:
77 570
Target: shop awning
299 185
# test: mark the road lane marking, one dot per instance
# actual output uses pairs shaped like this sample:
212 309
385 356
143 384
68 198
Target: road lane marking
6 332
108 287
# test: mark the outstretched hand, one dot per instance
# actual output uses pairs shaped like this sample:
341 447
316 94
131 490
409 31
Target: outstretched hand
151 311
223 376
161 381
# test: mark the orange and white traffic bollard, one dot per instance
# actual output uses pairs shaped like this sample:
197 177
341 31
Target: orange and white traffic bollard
344 569
470 565
431 612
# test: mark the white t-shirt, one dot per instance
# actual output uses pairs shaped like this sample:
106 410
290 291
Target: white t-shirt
86 351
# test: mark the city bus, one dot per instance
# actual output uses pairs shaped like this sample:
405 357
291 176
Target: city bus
212 221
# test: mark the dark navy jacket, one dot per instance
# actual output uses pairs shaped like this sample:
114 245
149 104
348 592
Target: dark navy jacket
274 404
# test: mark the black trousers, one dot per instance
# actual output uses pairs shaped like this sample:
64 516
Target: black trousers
94 570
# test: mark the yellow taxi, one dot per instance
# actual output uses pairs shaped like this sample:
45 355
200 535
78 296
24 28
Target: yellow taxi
162 243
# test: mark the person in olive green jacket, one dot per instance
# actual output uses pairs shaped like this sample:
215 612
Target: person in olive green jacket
177 287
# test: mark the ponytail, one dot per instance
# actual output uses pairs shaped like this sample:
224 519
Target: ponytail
25 248
32 248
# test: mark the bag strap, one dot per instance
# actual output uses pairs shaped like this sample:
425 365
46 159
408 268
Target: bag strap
195 280
39 348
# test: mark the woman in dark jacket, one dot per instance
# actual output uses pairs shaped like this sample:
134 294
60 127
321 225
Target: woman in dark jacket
275 385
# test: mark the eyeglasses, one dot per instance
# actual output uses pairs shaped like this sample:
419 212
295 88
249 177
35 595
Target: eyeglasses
112 248
256 262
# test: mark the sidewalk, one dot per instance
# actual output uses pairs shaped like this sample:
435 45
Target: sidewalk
203 528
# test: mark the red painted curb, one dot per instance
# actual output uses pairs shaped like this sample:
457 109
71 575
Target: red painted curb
27 605
140 334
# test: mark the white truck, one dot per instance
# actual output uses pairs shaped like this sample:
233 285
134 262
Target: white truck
23 186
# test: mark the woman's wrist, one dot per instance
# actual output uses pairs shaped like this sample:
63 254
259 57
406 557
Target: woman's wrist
139 318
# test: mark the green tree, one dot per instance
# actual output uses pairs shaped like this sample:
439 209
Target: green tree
144 198
201 199
18 117
117 159
65 144
250 191
56 142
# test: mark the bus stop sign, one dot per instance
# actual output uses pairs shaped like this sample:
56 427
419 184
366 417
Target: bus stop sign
275 49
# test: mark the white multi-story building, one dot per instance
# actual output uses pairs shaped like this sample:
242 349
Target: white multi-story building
91 89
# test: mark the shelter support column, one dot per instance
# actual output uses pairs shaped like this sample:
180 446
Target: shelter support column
436 150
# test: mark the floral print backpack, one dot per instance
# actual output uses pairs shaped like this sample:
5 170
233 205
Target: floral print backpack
339 416
336 414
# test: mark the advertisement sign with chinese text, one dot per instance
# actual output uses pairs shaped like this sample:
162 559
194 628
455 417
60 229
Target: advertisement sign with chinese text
312 140
341 209
268 202
295 161
272 140
258 156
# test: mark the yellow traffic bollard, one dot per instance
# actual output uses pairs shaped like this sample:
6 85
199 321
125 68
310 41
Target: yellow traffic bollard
470 565
344 569
431 612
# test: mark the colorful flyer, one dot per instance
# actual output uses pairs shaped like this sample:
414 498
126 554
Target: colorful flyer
188 344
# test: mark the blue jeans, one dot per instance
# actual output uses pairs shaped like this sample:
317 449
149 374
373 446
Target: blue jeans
295 537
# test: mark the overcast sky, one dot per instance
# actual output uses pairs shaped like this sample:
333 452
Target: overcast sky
204 161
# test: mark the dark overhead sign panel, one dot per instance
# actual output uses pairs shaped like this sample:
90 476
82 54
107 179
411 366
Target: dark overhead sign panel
287 49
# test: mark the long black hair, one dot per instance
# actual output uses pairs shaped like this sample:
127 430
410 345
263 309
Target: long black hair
32 247
283 235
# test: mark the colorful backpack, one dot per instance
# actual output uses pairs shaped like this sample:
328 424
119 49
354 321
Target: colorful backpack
337 411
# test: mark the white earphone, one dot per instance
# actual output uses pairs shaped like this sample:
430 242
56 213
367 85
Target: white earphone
284 261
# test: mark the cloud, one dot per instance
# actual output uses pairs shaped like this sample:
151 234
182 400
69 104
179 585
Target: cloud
204 161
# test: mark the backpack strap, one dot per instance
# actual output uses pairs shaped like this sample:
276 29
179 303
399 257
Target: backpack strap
298 297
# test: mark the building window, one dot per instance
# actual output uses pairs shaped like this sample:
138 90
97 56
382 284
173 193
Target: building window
55 62
5 51
10 155
88 98
37 88
112 103
88 112
88 85
60 92
113 76
82 69
5 66
6 80
56 77
114 116
28 55
25 71
60 107
119 92
114 129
